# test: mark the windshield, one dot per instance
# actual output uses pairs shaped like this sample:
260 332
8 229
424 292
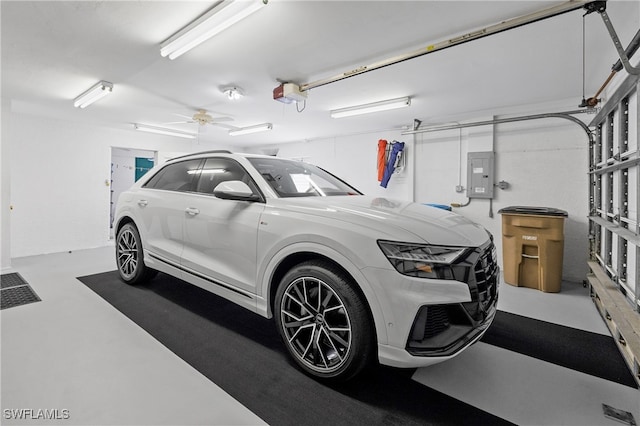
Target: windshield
296 179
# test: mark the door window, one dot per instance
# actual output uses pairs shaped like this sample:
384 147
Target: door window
218 170
176 177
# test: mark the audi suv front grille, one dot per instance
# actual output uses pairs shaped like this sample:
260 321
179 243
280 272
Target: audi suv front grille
442 330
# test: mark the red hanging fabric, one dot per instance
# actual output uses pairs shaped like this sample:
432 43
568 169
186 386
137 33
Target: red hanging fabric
382 149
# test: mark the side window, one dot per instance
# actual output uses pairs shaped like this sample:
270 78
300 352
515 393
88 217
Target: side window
218 170
175 177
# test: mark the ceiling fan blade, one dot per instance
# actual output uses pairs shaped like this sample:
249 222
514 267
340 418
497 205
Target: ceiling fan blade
220 119
188 117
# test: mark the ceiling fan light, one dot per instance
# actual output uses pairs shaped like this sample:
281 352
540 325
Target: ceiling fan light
94 93
164 131
251 129
372 107
223 15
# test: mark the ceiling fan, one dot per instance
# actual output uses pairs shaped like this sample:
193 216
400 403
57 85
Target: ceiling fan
203 118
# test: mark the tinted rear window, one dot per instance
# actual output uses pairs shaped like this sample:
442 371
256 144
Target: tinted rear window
175 177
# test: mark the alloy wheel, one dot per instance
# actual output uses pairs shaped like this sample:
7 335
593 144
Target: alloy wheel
316 324
127 253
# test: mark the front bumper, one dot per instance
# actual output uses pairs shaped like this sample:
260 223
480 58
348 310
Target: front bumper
428 321
400 357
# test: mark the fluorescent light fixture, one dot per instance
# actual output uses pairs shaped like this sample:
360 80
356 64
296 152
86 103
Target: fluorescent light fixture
372 107
217 19
164 131
251 129
97 91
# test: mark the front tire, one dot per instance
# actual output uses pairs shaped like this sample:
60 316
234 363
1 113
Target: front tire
129 256
324 321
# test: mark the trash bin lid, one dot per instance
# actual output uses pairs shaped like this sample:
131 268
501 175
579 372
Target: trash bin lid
540 211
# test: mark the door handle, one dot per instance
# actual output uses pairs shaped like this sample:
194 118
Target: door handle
191 211
142 203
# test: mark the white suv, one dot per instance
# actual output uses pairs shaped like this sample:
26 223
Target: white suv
349 279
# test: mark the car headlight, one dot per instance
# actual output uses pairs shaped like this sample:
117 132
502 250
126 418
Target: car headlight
422 261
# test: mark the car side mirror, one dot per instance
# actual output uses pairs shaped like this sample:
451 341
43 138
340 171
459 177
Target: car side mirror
235 190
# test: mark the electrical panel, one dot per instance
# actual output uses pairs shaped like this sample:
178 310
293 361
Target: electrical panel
480 174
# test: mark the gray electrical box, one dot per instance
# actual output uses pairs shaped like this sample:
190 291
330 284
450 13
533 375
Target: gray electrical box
480 174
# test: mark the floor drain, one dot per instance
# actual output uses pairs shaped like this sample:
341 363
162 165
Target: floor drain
15 291
619 415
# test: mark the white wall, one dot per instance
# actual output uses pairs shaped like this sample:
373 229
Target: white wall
59 180
5 181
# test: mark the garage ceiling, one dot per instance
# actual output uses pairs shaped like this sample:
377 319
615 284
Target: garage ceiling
54 50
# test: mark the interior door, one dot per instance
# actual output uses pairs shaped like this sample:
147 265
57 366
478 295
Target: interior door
220 236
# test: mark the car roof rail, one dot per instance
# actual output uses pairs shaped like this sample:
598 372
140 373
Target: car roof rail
215 151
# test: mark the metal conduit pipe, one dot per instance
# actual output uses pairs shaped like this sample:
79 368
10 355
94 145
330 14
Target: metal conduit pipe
564 115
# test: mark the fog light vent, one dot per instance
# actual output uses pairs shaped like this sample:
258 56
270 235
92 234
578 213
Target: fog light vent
437 321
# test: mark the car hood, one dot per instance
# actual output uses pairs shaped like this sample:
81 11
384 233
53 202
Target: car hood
392 219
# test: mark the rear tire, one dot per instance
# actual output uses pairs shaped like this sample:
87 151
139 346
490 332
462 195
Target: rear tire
129 256
324 322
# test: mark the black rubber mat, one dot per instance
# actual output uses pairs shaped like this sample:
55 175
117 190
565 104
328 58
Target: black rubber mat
15 291
242 353
590 353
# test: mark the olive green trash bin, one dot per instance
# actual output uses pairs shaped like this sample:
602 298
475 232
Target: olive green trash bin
532 247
